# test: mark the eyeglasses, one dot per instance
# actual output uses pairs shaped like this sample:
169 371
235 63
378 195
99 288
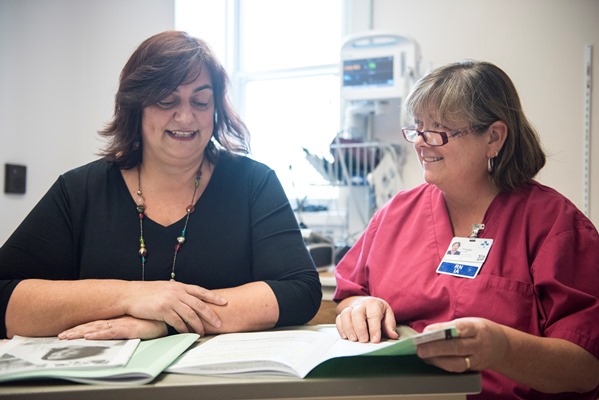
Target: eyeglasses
432 138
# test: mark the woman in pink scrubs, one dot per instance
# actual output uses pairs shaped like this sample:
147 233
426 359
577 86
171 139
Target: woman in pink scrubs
523 293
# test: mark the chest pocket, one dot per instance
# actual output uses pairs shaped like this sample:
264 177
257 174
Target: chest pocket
498 299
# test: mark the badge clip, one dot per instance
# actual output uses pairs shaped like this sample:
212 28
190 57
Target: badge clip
476 228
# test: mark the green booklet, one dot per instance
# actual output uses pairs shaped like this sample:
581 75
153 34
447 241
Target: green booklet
91 361
290 352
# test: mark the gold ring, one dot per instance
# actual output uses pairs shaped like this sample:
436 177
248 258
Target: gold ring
468 364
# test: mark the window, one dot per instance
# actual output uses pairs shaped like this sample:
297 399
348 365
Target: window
282 57
206 19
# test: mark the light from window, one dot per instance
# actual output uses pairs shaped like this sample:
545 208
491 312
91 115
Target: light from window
289 55
287 115
277 34
204 19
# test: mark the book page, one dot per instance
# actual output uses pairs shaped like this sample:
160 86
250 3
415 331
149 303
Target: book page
289 352
279 352
21 353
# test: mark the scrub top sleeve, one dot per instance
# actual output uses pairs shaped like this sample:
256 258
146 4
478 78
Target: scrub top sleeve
565 275
351 273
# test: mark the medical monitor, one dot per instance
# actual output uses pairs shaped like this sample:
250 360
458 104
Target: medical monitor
375 66
370 72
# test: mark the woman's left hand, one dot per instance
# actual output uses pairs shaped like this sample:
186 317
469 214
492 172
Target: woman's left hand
125 327
481 344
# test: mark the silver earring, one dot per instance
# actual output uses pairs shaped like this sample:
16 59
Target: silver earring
490 162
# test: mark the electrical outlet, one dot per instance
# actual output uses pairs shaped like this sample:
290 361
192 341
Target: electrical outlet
15 178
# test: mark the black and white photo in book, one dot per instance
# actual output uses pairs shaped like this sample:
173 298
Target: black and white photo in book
22 354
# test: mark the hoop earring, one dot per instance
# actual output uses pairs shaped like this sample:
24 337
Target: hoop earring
491 162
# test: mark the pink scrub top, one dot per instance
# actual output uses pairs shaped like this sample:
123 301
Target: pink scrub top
541 275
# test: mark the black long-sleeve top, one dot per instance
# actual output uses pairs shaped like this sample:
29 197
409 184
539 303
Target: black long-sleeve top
243 230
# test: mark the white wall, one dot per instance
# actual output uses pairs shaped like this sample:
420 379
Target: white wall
540 44
60 60
59 67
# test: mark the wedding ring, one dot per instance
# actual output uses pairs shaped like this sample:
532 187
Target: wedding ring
468 364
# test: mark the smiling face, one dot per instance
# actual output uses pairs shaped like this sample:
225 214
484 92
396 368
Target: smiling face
177 128
459 164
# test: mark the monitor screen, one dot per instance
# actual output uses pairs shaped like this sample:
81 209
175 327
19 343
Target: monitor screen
368 72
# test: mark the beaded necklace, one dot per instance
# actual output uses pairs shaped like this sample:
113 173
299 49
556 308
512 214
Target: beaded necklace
143 251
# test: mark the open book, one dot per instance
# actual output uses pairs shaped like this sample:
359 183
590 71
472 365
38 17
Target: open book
90 361
290 352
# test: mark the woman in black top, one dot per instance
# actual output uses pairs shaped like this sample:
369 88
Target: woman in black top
174 229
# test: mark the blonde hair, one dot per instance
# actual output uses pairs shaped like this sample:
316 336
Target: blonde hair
482 93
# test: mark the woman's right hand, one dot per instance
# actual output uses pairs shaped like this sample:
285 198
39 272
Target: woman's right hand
182 306
125 327
365 319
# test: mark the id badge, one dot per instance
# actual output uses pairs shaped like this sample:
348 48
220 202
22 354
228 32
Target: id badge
465 257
